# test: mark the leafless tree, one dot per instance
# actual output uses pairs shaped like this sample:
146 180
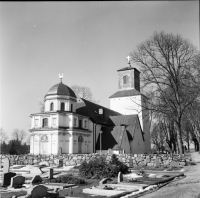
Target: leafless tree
3 136
19 135
83 92
169 74
41 105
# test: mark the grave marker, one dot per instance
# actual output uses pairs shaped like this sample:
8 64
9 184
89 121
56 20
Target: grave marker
157 163
39 191
17 181
6 165
51 173
7 178
36 180
174 164
120 177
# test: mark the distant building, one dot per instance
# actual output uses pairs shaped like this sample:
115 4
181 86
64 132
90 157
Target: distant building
68 126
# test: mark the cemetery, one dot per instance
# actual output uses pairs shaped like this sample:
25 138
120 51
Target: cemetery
124 175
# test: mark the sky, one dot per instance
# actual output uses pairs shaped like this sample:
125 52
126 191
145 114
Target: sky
86 41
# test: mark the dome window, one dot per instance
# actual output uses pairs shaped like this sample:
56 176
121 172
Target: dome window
45 122
51 106
62 106
125 79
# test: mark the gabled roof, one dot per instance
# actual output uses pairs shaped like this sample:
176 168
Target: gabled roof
91 110
107 139
124 120
125 93
118 132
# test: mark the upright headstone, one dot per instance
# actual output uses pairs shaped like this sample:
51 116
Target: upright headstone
157 163
109 151
17 181
174 164
39 191
130 162
60 163
7 178
120 177
51 173
36 180
6 165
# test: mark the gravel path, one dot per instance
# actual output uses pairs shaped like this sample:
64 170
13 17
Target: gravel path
189 187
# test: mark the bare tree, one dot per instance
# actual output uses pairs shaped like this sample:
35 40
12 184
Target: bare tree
170 75
3 136
19 135
41 105
83 92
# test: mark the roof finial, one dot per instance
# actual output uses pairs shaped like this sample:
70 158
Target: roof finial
128 57
60 76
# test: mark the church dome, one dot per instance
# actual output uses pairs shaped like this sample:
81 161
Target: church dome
61 89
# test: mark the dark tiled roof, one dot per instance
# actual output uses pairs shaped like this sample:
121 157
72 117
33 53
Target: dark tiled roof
61 89
124 120
91 110
107 139
118 132
125 93
127 68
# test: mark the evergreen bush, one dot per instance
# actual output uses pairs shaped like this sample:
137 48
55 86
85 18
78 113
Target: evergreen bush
99 168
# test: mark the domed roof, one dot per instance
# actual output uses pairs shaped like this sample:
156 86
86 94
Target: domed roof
61 89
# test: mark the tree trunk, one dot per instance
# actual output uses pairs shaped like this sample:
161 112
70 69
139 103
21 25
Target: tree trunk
179 138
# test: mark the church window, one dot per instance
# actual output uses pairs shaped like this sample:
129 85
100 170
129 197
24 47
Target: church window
36 122
54 121
71 107
62 106
80 123
125 79
51 106
75 122
45 122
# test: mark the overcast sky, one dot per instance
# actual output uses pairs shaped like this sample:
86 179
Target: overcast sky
86 41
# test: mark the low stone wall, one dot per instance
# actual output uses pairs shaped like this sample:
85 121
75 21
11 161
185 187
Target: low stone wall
75 159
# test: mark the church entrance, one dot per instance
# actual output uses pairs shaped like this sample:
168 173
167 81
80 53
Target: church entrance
80 142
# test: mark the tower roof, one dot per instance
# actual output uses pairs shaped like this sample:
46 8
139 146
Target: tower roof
61 89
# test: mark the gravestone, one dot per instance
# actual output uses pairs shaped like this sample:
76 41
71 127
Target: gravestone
130 162
39 191
7 178
6 165
157 163
174 164
109 151
60 163
36 180
120 177
17 181
51 173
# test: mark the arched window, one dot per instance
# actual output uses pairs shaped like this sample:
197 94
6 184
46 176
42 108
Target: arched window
45 122
71 107
62 106
51 106
125 79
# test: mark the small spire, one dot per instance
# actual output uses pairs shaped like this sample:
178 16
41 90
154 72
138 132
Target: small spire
60 76
128 57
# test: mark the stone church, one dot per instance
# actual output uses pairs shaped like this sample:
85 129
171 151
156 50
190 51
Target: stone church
69 125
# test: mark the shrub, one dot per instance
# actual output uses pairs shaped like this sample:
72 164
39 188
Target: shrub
68 179
98 168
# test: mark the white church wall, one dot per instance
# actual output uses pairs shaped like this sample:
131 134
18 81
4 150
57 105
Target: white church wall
126 105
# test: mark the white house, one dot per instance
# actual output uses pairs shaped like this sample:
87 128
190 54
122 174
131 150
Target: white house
68 126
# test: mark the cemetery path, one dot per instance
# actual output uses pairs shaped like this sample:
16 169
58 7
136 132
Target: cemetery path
189 187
